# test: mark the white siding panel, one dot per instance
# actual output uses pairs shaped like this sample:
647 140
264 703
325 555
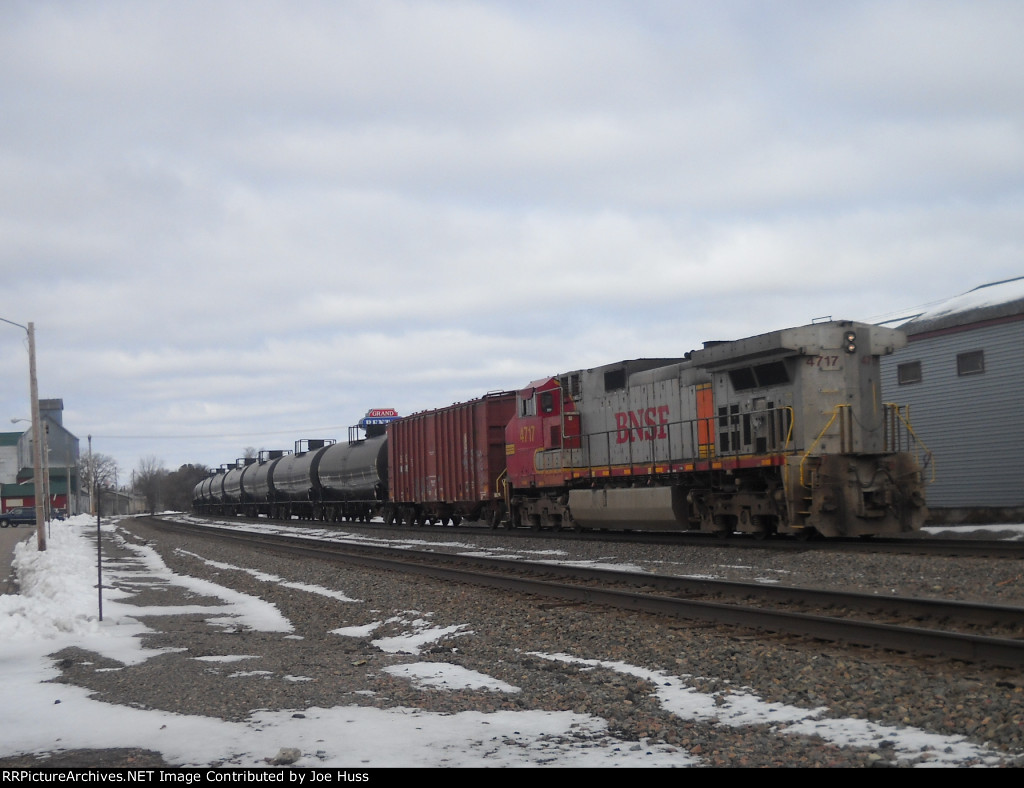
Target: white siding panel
974 424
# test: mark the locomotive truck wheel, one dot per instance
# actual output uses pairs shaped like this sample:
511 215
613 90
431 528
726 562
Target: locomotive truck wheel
764 526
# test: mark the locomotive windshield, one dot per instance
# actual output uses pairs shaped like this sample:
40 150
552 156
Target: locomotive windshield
759 376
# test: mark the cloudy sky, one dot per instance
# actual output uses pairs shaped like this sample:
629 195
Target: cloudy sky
242 223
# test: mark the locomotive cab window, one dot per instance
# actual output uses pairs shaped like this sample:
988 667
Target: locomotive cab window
742 379
547 402
773 373
528 405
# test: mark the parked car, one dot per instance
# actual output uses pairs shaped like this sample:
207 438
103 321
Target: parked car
21 515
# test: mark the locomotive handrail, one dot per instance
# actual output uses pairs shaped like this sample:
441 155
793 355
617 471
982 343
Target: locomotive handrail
803 460
792 424
896 410
501 483
687 432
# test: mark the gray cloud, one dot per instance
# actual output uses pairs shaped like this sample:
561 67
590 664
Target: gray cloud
233 223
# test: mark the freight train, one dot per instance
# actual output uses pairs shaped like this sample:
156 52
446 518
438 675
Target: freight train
785 432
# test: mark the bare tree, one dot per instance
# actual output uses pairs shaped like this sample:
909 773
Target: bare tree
180 484
96 469
149 480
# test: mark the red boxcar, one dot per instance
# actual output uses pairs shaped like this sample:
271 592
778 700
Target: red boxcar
446 465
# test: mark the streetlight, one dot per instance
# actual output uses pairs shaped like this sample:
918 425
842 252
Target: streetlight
37 444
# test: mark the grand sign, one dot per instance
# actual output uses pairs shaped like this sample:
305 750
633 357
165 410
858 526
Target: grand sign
378 417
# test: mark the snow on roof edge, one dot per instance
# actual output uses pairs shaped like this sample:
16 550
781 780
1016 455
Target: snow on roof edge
985 302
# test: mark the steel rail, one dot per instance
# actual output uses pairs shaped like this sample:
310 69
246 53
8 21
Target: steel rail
905 606
957 547
1006 652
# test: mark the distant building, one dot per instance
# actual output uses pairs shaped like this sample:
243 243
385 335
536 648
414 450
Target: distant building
9 464
17 482
962 374
123 501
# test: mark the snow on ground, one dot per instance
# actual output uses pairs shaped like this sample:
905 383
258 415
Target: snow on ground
57 607
435 675
1010 533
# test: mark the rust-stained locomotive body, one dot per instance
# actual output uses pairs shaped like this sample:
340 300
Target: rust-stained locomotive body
783 432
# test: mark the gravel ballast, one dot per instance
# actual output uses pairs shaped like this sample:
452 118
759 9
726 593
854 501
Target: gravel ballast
516 639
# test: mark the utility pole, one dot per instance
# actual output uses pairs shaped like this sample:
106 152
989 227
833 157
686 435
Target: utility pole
37 442
37 435
92 479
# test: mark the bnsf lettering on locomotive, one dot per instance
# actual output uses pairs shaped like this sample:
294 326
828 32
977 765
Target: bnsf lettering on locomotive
646 424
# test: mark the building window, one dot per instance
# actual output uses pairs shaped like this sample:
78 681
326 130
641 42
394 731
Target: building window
909 372
972 363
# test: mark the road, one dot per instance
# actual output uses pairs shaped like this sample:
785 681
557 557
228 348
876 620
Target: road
8 538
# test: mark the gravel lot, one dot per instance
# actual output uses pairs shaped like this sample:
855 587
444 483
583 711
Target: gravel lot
984 705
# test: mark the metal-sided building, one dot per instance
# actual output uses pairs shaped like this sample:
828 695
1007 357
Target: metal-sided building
17 486
961 374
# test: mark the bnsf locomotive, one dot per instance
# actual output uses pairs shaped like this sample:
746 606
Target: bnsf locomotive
784 432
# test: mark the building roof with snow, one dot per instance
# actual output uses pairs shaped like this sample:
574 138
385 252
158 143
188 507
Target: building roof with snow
994 302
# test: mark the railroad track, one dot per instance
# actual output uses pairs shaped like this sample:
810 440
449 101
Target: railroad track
913 545
966 631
